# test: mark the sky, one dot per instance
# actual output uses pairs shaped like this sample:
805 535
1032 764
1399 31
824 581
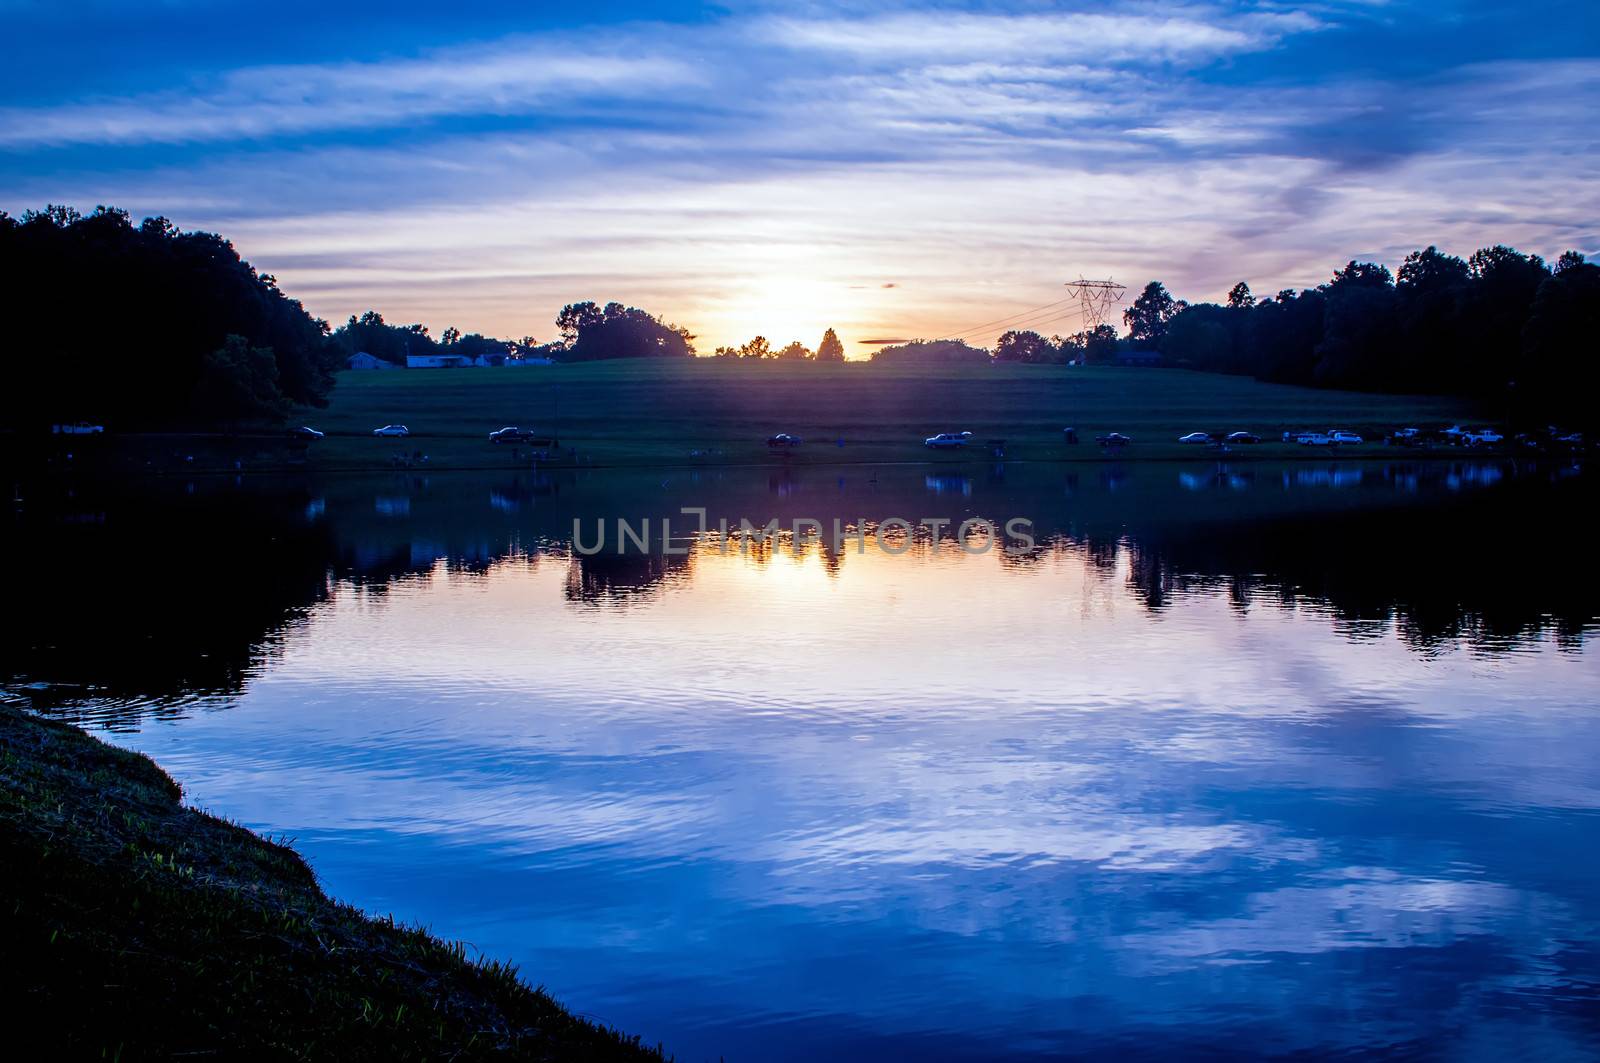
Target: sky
889 169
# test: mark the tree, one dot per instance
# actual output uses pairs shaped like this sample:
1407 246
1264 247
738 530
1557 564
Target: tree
931 352
1095 346
1361 275
1148 317
1569 260
794 352
1432 270
1204 337
757 348
1024 346
590 333
1239 297
130 325
1499 303
830 349
239 382
375 336
451 335
1559 375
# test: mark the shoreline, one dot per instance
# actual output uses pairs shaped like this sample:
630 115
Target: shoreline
110 461
145 928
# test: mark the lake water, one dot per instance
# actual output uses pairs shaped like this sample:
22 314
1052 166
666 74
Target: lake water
1254 759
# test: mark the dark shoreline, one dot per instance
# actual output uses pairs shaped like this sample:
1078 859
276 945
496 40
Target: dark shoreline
140 928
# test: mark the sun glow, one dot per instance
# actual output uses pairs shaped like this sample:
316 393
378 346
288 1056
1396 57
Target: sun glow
791 306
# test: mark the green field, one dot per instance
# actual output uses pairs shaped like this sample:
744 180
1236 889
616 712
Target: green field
710 412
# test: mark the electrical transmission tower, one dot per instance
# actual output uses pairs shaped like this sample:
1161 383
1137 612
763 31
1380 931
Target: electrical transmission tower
1095 299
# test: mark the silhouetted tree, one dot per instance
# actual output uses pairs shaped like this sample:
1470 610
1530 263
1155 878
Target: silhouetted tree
590 333
931 352
1024 346
1499 325
1559 375
130 326
1094 346
375 336
239 382
1148 317
830 349
1203 337
1239 297
794 352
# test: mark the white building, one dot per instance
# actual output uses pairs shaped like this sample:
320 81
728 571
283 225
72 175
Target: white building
437 361
363 360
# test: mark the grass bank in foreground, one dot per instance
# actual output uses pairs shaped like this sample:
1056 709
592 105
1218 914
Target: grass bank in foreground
687 412
138 928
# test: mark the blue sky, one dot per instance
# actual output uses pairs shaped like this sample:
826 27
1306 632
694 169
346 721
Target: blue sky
890 169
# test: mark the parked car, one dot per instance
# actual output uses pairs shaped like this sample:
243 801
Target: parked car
946 440
1339 435
509 434
79 428
306 432
1482 437
392 430
1314 439
1195 437
1243 437
784 439
1113 439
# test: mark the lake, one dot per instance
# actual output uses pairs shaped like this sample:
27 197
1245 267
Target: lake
1237 758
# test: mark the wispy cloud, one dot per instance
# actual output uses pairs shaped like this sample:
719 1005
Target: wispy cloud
764 171
515 77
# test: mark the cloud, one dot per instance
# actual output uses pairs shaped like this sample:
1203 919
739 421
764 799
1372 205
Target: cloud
727 173
515 77
917 37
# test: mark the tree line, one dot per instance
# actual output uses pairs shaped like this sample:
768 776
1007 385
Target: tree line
588 332
1500 325
145 326
829 349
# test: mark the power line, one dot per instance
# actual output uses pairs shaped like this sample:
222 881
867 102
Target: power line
1037 323
1090 302
1001 320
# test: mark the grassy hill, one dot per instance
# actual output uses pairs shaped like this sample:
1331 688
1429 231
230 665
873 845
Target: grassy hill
136 928
714 411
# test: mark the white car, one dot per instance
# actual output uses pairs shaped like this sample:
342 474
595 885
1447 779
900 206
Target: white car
1314 439
1195 437
1341 436
392 430
305 431
948 439
1482 437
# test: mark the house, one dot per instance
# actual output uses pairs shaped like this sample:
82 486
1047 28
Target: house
1144 358
437 361
530 361
363 360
